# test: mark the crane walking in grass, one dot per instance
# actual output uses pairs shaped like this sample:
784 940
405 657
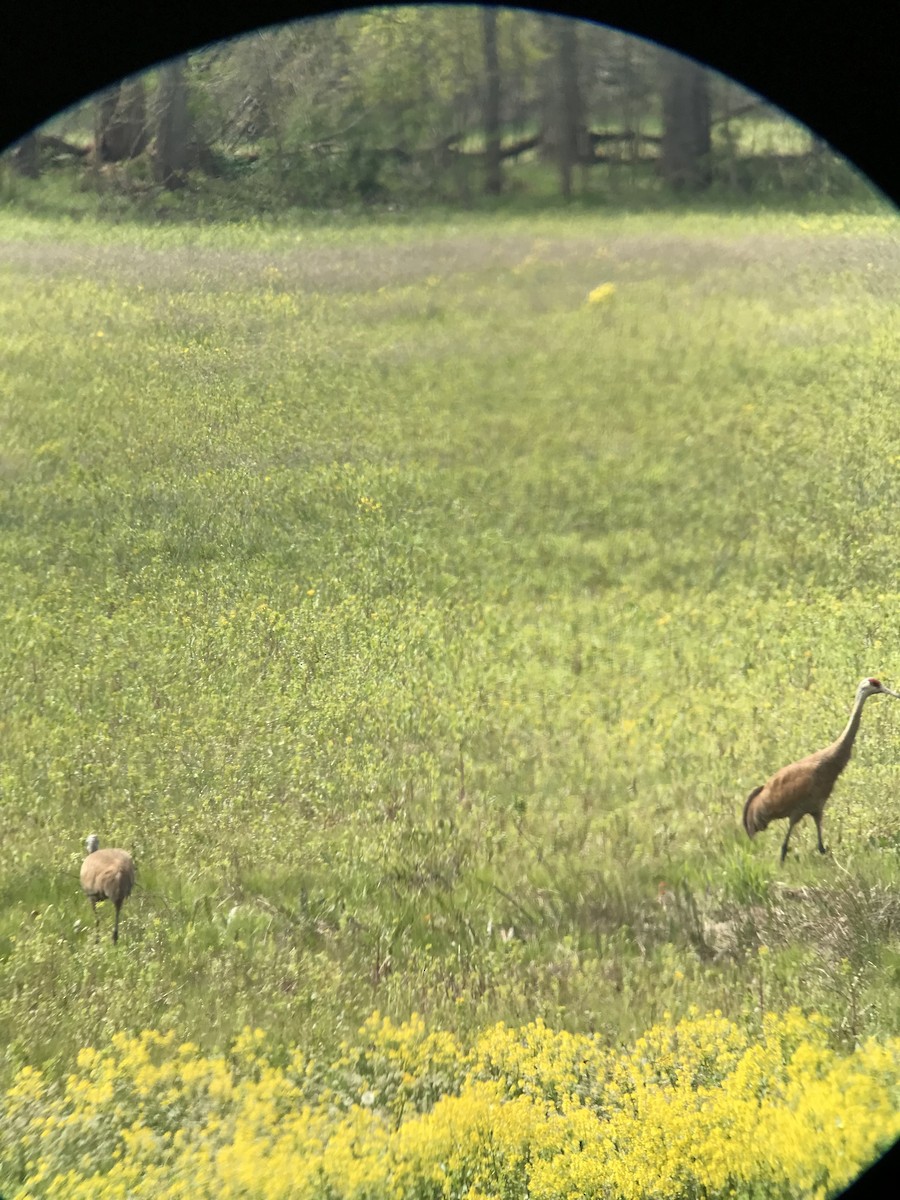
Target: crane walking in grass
803 788
107 875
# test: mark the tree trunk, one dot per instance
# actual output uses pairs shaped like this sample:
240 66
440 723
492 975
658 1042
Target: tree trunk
120 125
493 182
685 151
566 110
172 150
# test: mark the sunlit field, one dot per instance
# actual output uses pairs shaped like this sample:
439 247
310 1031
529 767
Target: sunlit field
418 600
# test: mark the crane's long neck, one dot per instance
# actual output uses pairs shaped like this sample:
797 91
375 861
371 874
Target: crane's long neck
840 750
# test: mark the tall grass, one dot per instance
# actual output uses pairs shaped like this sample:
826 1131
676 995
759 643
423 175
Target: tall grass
413 620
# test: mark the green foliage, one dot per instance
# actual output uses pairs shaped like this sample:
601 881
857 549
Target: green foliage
412 620
385 107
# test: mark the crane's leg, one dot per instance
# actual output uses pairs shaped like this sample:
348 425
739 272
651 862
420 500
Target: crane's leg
817 817
116 926
787 837
96 918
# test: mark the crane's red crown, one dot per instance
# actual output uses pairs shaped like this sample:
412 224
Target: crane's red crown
875 682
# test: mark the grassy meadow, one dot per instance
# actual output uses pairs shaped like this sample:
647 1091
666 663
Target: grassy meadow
420 625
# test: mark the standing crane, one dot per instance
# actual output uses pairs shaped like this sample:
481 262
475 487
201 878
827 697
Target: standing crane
804 787
107 875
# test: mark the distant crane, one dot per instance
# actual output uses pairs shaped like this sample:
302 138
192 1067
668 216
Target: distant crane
107 875
803 788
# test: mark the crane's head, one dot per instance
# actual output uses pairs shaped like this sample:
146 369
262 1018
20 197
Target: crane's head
874 687
92 843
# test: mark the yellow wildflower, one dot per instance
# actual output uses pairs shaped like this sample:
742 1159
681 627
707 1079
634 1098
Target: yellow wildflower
601 293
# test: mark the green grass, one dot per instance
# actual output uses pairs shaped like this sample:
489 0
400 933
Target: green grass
411 620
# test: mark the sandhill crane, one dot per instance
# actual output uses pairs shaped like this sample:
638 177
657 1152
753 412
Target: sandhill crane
803 787
106 875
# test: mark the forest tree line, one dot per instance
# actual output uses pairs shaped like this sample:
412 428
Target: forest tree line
423 102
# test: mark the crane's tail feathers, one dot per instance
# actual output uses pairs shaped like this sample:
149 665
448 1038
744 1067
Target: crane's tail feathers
751 823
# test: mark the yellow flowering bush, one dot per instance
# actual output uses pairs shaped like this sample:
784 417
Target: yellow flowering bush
537 1061
396 1068
698 1108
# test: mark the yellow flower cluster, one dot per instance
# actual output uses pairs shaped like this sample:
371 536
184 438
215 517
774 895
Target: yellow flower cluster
601 293
698 1108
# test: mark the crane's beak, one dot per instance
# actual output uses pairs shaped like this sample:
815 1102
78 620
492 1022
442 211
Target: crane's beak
888 692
